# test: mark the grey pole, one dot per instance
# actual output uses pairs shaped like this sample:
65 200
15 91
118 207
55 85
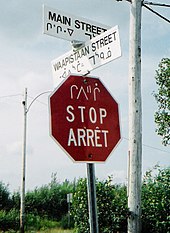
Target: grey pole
22 204
135 119
91 182
91 187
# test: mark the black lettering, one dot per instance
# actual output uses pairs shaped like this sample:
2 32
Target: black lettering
77 24
94 29
110 38
102 42
99 30
114 33
88 28
67 20
59 19
97 44
52 16
83 25
93 47
87 50
106 40
71 58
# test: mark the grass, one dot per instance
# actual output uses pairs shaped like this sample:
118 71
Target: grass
57 230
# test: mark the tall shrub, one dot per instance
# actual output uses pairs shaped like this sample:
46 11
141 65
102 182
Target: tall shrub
49 200
111 203
5 198
156 201
162 115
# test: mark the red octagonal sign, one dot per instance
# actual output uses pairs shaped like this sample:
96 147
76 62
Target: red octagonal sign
84 119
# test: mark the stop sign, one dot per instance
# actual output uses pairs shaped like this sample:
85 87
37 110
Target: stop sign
84 119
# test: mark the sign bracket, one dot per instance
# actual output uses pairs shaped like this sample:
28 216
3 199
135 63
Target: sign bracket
76 45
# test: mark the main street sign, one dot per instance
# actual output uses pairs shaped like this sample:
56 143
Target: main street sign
70 27
96 52
84 119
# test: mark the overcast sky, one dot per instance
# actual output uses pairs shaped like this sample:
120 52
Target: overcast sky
25 61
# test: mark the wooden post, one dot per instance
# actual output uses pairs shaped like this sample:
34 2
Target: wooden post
135 119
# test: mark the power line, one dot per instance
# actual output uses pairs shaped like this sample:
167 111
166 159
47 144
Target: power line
156 13
8 96
152 147
155 148
156 4
145 3
148 3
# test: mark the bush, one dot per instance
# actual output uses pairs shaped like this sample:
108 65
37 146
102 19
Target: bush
112 207
111 203
49 200
80 207
156 201
5 200
35 222
9 220
67 222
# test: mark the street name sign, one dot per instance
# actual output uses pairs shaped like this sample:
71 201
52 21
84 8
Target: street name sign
84 119
95 52
69 27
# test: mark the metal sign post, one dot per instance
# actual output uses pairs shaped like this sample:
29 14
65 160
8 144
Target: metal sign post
87 111
69 201
91 188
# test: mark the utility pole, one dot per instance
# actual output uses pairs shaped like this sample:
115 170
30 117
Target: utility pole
22 204
135 119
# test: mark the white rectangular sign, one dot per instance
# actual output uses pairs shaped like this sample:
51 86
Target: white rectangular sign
70 27
96 52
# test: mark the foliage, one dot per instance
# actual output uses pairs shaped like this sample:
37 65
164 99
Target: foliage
9 219
162 115
5 200
35 222
80 207
49 200
112 207
44 206
16 200
65 223
156 201
111 203
56 230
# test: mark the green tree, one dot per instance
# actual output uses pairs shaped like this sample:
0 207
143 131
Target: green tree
49 200
111 204
5 199
162 115
156 201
